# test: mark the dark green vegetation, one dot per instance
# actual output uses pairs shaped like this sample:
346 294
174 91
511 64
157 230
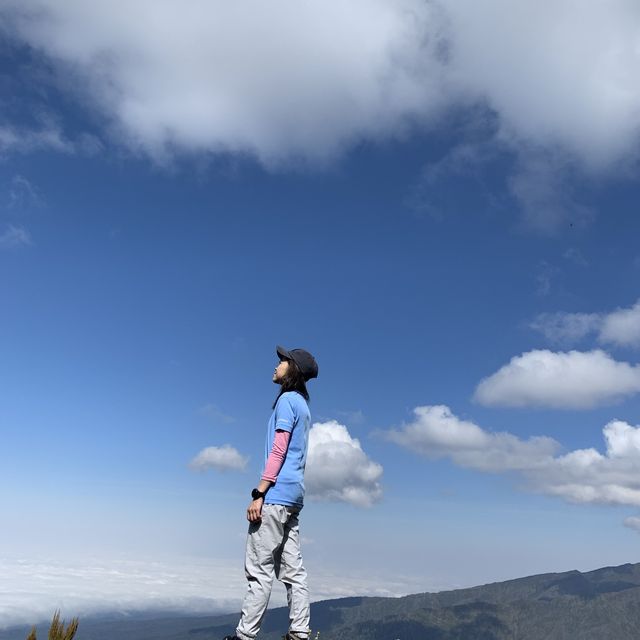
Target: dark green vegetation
599 605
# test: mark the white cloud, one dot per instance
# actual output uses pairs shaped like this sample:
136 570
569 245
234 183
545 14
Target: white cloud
620 327
338 470
587 476
279 81
633 522
293 80
582 476
14 236
571 380
521 57
436 433
224 458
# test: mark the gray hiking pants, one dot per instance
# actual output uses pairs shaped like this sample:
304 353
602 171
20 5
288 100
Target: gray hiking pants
273 550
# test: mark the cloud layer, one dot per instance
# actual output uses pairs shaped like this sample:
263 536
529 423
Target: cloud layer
338 470
33 588
290 80
571 380
581 476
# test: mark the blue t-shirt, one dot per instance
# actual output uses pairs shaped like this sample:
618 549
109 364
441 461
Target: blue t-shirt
291 414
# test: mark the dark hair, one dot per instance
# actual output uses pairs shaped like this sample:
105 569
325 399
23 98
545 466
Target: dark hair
293 381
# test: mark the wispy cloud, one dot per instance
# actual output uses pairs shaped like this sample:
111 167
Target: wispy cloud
633 522
224 458
544 278
49 136
465 163
215 414
620 327
575 256
23 194
352 417
571 380
542 186
15 139
14 237
566 328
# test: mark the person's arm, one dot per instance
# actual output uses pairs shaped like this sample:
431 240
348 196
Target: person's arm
254 510
277 456
270 474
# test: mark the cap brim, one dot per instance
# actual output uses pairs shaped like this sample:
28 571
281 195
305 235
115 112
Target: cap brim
283 353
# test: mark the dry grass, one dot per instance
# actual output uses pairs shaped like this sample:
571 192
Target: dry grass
57 630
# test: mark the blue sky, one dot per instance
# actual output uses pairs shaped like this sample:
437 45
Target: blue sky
404 189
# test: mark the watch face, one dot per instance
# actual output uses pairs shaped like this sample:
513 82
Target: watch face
255 494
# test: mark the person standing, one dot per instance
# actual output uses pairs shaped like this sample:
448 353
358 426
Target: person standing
273 541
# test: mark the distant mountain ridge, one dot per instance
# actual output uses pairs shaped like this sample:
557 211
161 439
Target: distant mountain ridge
597 605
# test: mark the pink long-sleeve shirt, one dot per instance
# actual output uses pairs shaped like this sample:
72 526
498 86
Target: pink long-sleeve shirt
276 456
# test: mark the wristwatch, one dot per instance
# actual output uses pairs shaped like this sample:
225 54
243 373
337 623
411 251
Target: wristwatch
255 494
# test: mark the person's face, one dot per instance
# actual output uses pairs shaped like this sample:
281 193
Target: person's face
280 371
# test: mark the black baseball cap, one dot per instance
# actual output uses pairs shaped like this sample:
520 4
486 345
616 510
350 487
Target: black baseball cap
305 361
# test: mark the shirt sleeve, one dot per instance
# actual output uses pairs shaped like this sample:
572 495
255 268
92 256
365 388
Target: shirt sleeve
277 456
285 417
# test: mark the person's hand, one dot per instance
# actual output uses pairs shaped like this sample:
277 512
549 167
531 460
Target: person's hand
254 511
